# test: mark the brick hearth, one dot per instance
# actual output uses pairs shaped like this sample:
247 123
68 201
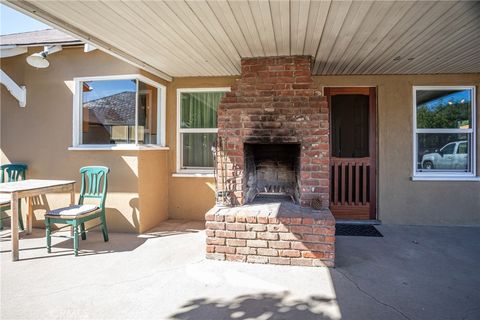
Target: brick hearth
275 233
273 109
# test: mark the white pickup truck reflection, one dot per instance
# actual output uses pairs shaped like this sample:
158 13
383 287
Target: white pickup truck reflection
453 155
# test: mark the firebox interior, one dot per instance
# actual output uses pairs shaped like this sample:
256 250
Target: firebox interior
272 172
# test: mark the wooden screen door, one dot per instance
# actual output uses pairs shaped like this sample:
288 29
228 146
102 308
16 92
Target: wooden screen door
353 152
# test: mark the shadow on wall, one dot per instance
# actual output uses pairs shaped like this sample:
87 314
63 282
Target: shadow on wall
40 134
257 306
135 205
122 199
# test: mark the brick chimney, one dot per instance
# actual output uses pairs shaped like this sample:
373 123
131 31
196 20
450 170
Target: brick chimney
274 102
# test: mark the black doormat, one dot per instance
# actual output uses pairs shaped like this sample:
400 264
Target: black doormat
356 230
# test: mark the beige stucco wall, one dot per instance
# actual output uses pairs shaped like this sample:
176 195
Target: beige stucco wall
143 189
152 188
400 200
40 134
189 197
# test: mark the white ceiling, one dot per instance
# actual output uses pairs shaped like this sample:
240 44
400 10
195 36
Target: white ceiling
208 38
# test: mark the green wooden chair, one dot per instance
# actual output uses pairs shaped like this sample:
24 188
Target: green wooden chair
94 185
9 173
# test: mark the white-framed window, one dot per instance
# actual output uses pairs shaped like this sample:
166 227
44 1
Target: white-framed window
120 111
197 128
444 145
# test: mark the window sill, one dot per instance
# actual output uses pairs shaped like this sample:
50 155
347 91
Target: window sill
445 178
117 147
192 175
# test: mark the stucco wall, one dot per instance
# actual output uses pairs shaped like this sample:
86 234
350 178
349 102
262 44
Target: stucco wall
40 134
143 189
400 200
189 197
152 188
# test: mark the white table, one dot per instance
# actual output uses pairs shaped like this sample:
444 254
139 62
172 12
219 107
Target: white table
27 189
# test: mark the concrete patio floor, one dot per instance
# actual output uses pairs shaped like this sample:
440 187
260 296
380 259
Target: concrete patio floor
410 273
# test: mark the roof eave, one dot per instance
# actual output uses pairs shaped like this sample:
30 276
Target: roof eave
36 13
40 44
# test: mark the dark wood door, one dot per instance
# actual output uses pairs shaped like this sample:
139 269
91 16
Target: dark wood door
353 152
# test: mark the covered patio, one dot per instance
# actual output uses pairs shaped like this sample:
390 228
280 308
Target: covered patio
413 272
219 104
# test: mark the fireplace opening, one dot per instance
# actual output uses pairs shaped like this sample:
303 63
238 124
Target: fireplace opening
271 172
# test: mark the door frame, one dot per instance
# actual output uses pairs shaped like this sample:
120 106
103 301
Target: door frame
370 91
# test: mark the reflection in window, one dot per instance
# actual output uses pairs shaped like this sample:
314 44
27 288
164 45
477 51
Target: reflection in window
118 112
449 148
147 113
462 147
444 109
443 151
444 130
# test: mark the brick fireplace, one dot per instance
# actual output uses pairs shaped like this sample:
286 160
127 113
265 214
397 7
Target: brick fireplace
274 102
272 167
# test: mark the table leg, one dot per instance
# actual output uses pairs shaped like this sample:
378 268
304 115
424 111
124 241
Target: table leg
14 226
72 195
29 214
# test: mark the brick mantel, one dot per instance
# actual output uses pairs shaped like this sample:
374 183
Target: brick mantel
274 101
